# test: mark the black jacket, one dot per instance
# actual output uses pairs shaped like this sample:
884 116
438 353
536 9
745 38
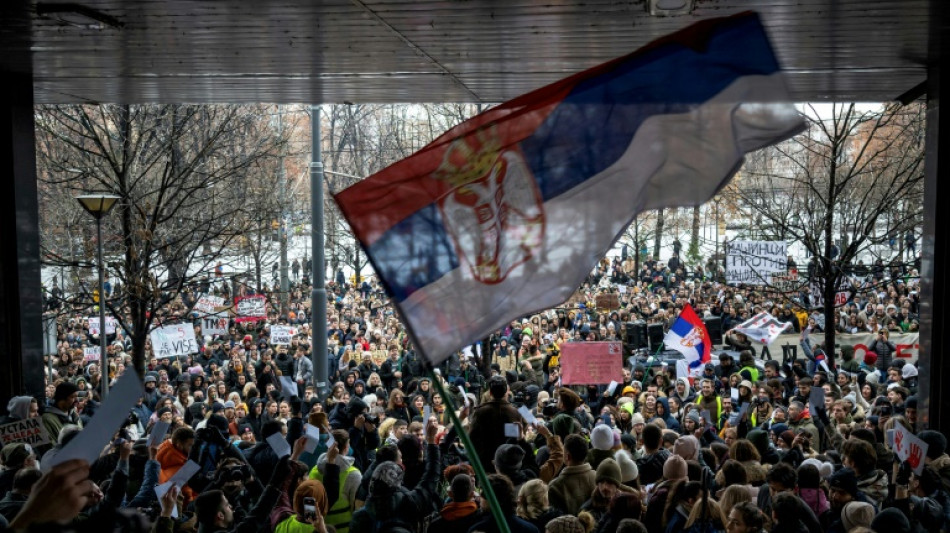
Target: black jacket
401 507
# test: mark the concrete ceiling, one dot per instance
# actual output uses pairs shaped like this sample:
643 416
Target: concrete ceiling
426 51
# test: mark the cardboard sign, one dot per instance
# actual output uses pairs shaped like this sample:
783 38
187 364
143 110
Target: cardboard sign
754 262
250 308
281 335
209 304
908 447
215 324
174 341
591 363
94 325
607 301
90 353
30 431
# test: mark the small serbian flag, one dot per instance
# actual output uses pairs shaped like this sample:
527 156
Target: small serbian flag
689 337
507 213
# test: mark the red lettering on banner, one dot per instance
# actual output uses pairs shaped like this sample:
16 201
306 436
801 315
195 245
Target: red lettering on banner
904 354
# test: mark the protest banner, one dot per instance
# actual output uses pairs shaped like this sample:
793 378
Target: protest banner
591 363
250 308
29 431
910 448
90 353
754 262
281 335
209 304
94 325
215 324
173 341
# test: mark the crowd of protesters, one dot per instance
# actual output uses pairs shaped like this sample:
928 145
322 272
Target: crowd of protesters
741 447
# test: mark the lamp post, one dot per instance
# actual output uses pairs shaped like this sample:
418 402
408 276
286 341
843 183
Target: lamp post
98 205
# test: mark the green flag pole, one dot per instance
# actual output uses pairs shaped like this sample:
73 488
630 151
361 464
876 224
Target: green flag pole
472 453
643 382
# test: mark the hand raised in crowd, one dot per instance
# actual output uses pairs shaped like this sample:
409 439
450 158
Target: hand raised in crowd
299 446
125 450
58 496
169 501
543 430
332 452
432 429
316 520
153 452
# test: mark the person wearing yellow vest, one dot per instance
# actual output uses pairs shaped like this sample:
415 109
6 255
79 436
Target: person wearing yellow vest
341 511
747 368
708 400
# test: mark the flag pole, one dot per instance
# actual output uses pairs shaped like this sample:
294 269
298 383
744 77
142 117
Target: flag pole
470 450
643 382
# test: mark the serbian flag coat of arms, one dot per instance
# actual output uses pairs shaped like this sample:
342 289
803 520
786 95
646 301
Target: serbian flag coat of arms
689 337
506 213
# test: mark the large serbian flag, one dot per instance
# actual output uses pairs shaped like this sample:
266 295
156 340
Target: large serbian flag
689 336
506 213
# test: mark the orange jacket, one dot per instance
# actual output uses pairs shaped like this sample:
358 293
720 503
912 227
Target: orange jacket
171 460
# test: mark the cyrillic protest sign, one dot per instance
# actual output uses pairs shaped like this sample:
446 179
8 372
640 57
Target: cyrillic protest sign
591 363
753 262
250 308
281 335
90 353
209 304
173 341
29 431
94 325
215 324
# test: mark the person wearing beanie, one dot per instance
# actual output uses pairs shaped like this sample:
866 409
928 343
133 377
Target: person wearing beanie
629 473
687 447
15 456
809 490
608 484
63 411
487 429
565 524
602 445
760 439
563 425
508 461
856 514
937 457
674 471
891 520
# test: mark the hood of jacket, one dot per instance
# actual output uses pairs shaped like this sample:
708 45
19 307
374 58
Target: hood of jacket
342 461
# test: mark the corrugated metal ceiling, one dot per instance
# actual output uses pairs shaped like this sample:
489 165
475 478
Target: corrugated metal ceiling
428 51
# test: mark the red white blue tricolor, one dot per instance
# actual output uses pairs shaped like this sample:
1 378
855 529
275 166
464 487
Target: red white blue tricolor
506 213
689 336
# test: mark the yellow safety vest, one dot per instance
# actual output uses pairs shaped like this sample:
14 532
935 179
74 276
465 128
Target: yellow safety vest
753 371
340 514
291 525
699 400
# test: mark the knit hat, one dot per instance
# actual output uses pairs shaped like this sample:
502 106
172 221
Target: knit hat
694 416
388 474
825 469
637 418
508 458
629 390
909 371
687 447
844 480
15 454
220 423
609 470
870 358
564 424
760 440
788 436
64 390
602 437
628 467
674 468
891 520
936 443
565 524
855 514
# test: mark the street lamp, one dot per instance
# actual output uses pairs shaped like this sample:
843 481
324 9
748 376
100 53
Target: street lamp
98 205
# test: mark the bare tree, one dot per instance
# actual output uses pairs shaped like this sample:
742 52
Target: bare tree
182 173
850 183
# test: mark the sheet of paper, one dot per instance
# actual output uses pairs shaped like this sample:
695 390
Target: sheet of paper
313 438
527 415
179 480
95 436
611 388
704 414
465 398
331 441
513 431
279 444
288 387
743 409
735 395
682 369
426 413
816 400
158 433
890 438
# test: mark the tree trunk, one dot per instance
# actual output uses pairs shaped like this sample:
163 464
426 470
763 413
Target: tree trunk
658 235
